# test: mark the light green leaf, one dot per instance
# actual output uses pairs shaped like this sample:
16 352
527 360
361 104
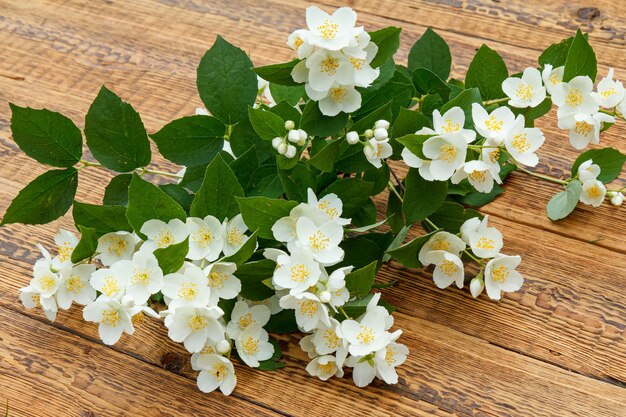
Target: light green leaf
46 136
563 203
431 52
217 193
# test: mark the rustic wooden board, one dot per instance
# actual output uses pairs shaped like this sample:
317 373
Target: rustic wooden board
556 348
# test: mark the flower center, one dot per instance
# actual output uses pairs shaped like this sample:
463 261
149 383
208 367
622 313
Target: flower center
65 251
494 124
357 63
332 340
245 320
216 279
329 66
366 335
390 356
75 284
308 308
117 246
234 237
110 317
583 128
203 237
299 273
327 368
524 92
188 291
520 142
554 78
219 371
608 93
331 212
250 345
477 176
328 29
494 156
110 286
197 323
574 98
485 243
298 43
450 127
448 267
594 191
441 245
338 94
141 277
318 241
47 282
500 274
165 239
447 153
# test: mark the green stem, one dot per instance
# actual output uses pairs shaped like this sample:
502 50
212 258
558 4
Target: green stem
431 224
392 187
344 313
496 101
139 171
476 259
542 176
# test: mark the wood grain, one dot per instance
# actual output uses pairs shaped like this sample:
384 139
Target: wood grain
556 348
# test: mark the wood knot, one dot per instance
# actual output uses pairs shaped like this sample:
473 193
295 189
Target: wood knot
588 13
86 413
172 362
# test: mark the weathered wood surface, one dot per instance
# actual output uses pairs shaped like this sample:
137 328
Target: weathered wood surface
556 348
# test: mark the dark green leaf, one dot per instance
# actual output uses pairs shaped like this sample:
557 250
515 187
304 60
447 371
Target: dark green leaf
366 215
265 182
104 219
388 42
287 112
46 198
356 308
115 133
378 176
116 193
87 245
272 363
563 203
324 159
414 143
46 136
217 193
395 217
316 124
278 73
464 100
226 83
426 82
282 322
353 192
291 94
245 165
179 194
243 137
431 52
487 71
172 258
451 216
191 141
297 181
556 54
245 251
260 213
581 60
359 282
193 177
407 253
266 124
399 90
367 122
609 160
252 275
422 198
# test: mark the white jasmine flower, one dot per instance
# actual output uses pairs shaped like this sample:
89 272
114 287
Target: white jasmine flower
585 128
273 303
324 367
161 235
352 138
485 242
500 275
244 316
217 372
386 360
588 171
368 334
111 282
321 242
442 241
471 225
363 369
375 151
300 72
143 276
415 161
75 286
209 348
116 246
188 288
477 285
479 175
66 242
44 281
363 75
374 308
492 126
452 121
328 339
114 317
194 325
307 346
552 77
31 298
234 234
448 268
298 41
527 91
224 284
327 68
264 93
331 32
309 310
610 92
205 238
621 107
491 155
593 193
447 153
284 230
335 287
574 97
338 98
330 205
290 152
617 199
253 345
297 272
522 142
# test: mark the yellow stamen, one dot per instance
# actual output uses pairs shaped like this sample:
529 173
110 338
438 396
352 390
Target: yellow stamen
524 92
574 98
366 335
448 267
520 142
299 273
338 94
308 308
74 284
188 291
110 317
328 29
318 241
494 124
197 323
447 153
250 346
500 274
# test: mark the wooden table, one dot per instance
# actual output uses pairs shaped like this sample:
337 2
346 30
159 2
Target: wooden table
555 348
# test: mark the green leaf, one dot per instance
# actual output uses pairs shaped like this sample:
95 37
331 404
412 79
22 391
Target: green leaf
46 136
367 122
408 122
245 165
360 251
487 71
356 308
278 73
252 275
563 203
451 216
388 41
395 217
316 124
407 253
266 124
179 194
365 217
87 245
581 60
378 176
464 100
265 182
46 198
226 82
217 193
359 282
103 219
245 251
297 181
272 363
610 161
422 198
287 112
282 322
399 90
431 52
193 177
115 133
414 143
243 137
290 94
260 213
426 82
116 193
146 202
191 141
172 258
353 192
324 159
556 54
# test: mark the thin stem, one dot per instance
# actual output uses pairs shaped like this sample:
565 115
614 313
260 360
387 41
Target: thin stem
496 101
140 171
478 260
431 224
392 187
344 313
542 176
395 176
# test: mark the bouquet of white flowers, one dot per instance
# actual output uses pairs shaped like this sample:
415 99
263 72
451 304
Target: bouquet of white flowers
271 226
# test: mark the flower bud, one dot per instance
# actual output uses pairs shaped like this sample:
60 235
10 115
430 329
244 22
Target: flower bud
301 142
369 133
290 125
325 297
291 151
617 199
276 141
477 285
293 136
352 137
381 124
128 301
282 148
223 346
380 134
303 134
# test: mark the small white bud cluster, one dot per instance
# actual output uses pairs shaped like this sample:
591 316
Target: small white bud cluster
295 136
